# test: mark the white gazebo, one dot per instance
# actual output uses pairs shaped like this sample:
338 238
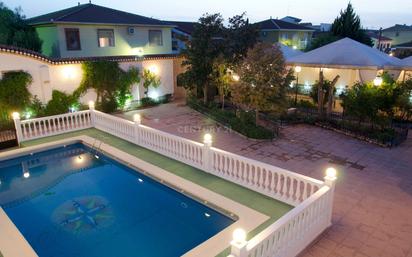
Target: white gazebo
288 52
407 68
351 60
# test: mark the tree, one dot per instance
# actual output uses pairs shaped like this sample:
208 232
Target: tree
15 31
239 37
263 80
211 43
348 24
201 53
222 79
109 81
150 80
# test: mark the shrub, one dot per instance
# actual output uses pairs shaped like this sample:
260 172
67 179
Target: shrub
14 93
60 103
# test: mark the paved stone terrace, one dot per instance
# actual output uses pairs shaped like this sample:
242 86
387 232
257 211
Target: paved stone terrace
372 215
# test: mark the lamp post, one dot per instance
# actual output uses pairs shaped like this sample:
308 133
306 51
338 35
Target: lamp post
298 69
378 81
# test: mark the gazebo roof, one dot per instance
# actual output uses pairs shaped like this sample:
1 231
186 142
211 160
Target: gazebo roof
407 63
288 52
346 54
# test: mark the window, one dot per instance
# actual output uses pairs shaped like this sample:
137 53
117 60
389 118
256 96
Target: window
105 37
175 45
72 39
155 38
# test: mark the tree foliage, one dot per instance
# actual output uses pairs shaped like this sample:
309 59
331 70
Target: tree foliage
212 41
263 80
14 92
377 104
347 24
15 31
150 79
109 81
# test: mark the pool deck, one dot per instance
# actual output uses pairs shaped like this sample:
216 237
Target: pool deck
263 204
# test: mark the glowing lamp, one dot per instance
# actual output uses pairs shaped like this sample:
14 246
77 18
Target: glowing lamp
69 72
298 69
378 81
137 118
207 139
295 47
26 174
235 77
15 115
331 173
239 236
153 69
153 94
91 105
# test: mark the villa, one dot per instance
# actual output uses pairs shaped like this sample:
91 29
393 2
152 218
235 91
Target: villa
93 30
287 33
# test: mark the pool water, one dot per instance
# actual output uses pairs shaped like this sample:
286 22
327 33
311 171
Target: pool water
72 201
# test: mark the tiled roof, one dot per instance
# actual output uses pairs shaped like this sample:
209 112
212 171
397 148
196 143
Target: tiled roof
57 61
273 24
184 26
399 27
375 35
95 14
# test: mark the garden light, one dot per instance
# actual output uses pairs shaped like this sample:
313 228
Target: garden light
207 139
91 105
153 94
298 69
15 115
137 118
239 236
235 77
295 47
331 173
377 81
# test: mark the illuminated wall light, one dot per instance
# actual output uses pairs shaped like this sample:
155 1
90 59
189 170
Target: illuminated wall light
138 51
69 72
207 139
298 69
378 81
154 69
331 173
91 105
295 47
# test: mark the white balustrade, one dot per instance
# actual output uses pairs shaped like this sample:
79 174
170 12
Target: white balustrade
52 125
313 199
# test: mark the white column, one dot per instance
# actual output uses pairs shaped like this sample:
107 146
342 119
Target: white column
137 122
239 244
330 181
92 114
207 153
17 125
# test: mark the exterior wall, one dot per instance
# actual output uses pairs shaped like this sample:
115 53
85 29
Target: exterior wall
67 77
50 46
125 44
300 39
398 37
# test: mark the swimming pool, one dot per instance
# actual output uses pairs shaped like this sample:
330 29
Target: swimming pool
72 201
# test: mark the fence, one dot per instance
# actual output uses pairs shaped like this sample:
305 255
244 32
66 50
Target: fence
313 199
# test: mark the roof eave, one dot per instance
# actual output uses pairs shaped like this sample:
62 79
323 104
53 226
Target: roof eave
341 66
105 24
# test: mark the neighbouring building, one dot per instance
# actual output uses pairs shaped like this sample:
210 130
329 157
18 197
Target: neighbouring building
399 33
92 30
380 42
287 33
181 34
402 50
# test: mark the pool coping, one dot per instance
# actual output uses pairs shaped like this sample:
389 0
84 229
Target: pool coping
248 219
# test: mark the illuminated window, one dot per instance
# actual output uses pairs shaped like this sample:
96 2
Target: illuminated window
72 39
105 37
155 38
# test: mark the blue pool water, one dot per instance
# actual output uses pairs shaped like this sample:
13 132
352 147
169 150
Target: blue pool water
68 202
